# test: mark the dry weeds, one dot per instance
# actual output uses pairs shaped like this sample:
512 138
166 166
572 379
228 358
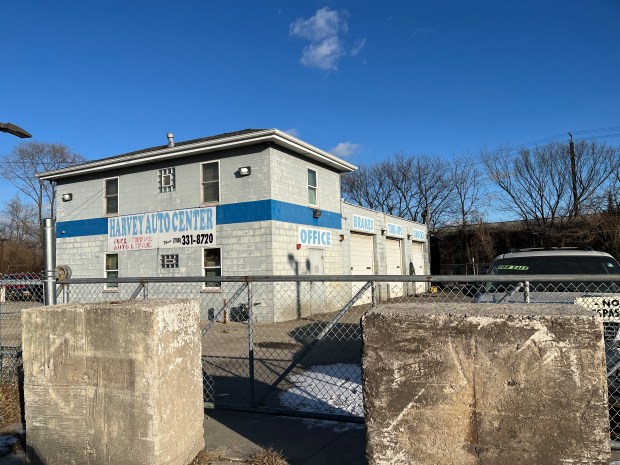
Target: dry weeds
264 457
10 410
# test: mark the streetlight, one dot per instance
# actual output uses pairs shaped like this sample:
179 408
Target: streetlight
15 130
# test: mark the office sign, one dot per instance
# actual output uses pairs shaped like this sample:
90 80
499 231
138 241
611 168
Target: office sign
315 237
190 227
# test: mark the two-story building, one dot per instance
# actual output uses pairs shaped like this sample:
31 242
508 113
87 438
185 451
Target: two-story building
252 202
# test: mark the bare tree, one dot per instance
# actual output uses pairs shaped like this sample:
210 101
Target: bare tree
21 221
596 167
19 233
415 188
537 184
534 183
468 198
434 190
469 189
367 187
30 158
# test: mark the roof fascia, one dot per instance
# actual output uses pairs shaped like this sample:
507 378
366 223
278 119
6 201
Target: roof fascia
272 135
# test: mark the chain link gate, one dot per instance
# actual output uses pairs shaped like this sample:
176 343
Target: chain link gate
292 344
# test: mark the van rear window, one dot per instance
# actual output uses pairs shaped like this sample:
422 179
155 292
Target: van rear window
566 264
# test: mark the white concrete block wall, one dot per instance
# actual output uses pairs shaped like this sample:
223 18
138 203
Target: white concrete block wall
289 260
139 188
290 181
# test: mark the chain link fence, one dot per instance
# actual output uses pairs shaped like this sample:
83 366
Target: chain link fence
292 345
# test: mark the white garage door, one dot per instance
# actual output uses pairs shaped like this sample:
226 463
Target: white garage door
362 263
417 257
394 258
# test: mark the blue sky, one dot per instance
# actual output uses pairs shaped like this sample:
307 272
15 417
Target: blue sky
363 79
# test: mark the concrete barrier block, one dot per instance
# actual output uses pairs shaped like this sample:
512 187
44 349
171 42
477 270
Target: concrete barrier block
113 383
484 384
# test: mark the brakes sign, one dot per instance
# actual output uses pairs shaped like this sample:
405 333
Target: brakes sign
607 307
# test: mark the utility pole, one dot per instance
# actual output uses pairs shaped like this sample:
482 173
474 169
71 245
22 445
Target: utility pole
573 172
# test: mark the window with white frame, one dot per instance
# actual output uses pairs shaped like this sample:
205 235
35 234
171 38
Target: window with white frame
166 180
111 196
210 181
313 188
212 264
170 261
111 269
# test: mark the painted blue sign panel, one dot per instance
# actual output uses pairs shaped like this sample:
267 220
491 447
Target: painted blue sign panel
418 235
363 223
395 229
314 237
162 230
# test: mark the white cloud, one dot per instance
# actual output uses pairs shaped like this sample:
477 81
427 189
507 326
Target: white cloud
324 54
293 132
324 31
358 46
345 149
324 24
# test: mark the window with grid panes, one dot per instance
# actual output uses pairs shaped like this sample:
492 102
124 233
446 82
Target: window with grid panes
312 188
170 261
166 180
111 269
111 196
212 264
210 182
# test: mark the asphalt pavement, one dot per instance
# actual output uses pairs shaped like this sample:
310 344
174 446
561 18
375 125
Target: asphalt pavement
236 435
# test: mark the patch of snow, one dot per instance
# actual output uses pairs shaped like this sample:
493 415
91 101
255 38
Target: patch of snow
336 426
333 389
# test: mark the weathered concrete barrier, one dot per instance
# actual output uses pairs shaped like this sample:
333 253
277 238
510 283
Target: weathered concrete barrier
113 383
485 384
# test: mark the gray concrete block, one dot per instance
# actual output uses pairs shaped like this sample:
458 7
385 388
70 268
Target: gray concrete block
113 383
484 384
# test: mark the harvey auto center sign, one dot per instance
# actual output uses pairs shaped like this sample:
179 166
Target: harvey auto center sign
162 230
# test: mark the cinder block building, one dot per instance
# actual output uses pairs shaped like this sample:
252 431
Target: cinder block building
251 202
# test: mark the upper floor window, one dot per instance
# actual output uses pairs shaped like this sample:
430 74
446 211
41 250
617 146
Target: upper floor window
111 196
166 180
313 188
210 181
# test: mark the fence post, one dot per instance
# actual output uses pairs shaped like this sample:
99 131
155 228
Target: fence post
49 274
251 345
373 293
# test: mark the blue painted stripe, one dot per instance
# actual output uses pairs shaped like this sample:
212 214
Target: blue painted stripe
77 228
244 212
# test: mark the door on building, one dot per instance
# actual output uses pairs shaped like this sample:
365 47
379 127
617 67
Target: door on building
362 263
317 288
394 259
417 259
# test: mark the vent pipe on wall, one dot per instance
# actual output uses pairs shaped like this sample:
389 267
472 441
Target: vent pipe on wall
170 139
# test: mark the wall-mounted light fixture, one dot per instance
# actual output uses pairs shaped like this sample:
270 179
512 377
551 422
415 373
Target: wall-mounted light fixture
316 213
383 231
245 171
341 237
67 197
409 236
